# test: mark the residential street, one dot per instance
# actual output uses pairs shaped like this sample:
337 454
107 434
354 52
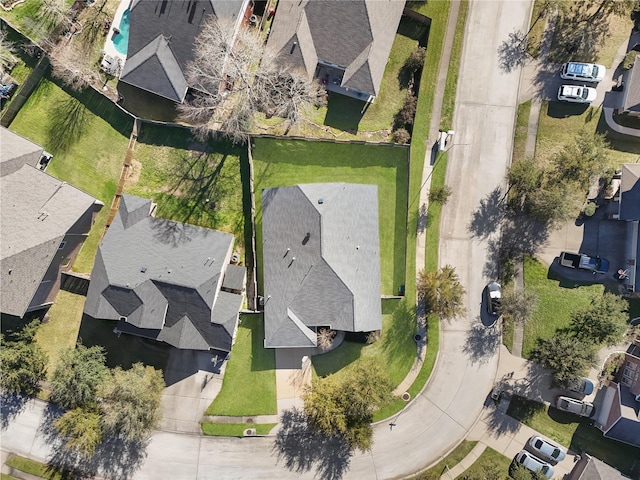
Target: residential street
454 398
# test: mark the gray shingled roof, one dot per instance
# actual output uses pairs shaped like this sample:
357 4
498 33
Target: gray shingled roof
632 88
630 192
161 39
627 428
16 151
595 470
356 35
37 211
234 278
321 261
165 278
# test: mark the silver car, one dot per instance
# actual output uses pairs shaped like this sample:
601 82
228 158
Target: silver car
571 405
545 449
533 463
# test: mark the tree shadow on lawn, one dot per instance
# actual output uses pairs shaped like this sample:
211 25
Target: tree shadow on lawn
301 448
114 457
67 124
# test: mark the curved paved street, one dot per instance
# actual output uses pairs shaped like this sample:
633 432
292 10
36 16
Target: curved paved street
442 415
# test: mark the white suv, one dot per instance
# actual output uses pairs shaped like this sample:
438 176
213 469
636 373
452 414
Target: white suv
576 94
571 405
583 72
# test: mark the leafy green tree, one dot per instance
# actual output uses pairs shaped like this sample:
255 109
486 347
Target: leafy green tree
441 292
440 194
345 408
603 321
23 364
81 430
519 305
567 356
78 374
130 402
582 160
524 178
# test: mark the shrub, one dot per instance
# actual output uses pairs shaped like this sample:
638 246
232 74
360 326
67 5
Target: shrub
401 135
325 338
439 194
589 209
415 61
408 112
629 59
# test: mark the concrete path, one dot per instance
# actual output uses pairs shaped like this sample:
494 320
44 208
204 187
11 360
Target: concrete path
293 374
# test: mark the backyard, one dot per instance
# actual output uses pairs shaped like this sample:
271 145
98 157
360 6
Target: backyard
573 432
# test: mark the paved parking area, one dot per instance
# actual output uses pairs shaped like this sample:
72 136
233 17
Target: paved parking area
193 380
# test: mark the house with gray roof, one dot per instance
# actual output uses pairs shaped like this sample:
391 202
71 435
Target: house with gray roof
321 261
344 44
631 93
629 212
619 413
590 468
161 41
43 223
166 280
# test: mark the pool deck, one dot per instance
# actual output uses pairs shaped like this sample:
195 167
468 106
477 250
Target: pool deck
109 48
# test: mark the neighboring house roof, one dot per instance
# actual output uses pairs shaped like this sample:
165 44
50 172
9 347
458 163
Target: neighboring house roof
630 191
355 35
321 260
37 212
234 278
161 39
164 278
632 88
590 468
17 151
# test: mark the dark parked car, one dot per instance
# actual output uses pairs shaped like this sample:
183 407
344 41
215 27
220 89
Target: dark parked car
493 298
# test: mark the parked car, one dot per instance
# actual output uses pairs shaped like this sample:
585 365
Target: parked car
576 94
583 386
584 262
583 72
533 463
571 405
493 297
545 449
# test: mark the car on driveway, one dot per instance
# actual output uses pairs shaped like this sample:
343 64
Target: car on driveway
583 72
583 386
547 450
576 94
493 297
571 405
533 463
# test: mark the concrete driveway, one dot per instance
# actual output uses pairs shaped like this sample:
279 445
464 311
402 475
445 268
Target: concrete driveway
193 380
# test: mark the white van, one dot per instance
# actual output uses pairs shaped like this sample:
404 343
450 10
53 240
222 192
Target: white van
583 72
533 463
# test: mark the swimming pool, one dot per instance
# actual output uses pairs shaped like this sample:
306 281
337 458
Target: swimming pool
121 40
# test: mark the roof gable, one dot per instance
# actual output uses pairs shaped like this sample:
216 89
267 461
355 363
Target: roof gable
630 192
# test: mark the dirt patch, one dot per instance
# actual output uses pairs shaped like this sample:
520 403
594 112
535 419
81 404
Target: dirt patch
133 174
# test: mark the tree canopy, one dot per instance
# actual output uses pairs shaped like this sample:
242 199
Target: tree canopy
604 321
81 430
568 357
23 364
441 292
519 304
345 407
77 375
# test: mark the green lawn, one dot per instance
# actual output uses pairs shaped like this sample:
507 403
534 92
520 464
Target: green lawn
560 123
4 476
454 458
249 386
280 162
557 299
520 135
123 350
61 331
38 469
489 460
180 174
573 432
235 429
448 106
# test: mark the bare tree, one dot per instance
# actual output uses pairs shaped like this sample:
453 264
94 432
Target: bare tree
54 12
232 80
7 52
325 338
71 63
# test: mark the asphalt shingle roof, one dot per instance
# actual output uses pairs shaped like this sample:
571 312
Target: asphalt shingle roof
161 40
632 87
164 277
321 260
17 151
355 35
630 192
37 211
